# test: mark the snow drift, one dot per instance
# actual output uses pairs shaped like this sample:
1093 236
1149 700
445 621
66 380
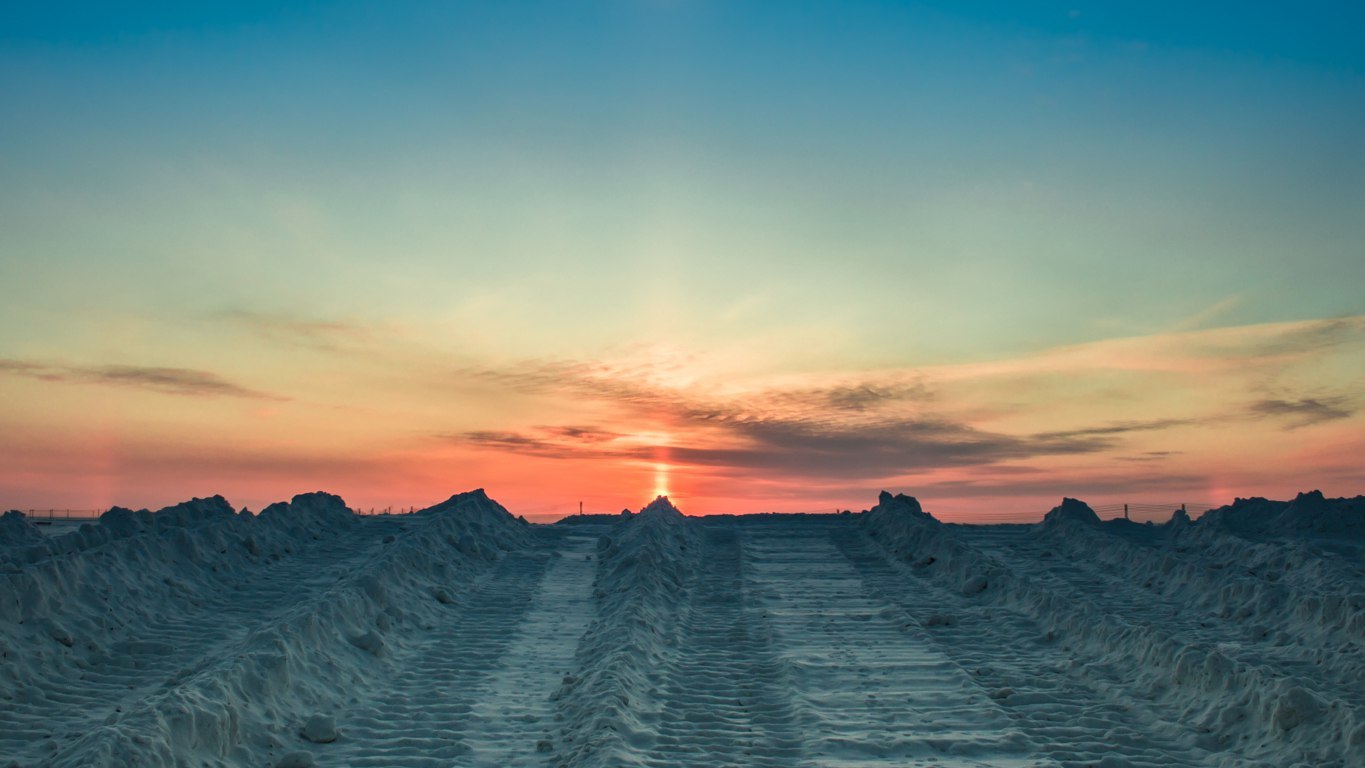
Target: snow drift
1245 697
196 634
644 565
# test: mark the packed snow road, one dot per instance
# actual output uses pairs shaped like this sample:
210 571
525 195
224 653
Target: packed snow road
463 636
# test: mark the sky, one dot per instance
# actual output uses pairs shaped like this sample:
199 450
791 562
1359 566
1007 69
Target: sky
756 256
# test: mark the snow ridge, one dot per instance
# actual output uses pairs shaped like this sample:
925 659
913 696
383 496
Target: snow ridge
261 622
1309 514
645 564
1239 705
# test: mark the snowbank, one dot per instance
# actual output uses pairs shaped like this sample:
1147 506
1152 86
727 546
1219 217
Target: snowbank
1309 514
909 533
293 608
1268 713
1308 598
645 564
17 531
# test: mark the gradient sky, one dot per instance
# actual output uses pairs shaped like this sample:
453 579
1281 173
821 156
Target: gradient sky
761 256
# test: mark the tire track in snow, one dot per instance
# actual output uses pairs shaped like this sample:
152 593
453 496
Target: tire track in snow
424 714
725 700
874 689
145 658
518 715
1073 721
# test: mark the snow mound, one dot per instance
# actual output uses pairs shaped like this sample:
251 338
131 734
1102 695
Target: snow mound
901 526
660 506
1309 514
1071 512
645 564
210 627
17 531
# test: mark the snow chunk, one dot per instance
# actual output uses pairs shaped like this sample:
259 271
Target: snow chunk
58 632
1295 707
369 641
320 729
974 585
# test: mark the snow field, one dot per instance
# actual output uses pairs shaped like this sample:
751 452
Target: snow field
869 683
462 636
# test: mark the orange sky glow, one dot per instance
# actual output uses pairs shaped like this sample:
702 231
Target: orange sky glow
1187 416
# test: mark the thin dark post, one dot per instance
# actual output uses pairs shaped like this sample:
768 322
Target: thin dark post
1125 511
580 507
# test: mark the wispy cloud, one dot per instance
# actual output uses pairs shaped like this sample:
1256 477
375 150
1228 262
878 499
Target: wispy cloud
323 334
1305 411
1149 456
1294 339
895 423
1208 314
174 381
1125 427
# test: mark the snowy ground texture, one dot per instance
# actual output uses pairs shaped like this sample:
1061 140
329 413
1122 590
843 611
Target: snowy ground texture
462 636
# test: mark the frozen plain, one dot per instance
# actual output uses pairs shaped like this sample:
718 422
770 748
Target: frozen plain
463 636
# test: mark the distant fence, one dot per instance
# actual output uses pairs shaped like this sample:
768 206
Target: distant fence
1138 512
49 516
1142 512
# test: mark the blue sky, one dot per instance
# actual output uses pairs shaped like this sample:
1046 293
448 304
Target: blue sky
758 189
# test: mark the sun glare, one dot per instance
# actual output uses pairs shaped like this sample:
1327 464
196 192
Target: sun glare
660 479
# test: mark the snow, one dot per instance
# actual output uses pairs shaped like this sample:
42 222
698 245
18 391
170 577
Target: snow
320 729
461 635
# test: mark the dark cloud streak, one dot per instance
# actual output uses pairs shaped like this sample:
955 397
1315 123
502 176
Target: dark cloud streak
1123 427
1306 411
804 449
174 381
